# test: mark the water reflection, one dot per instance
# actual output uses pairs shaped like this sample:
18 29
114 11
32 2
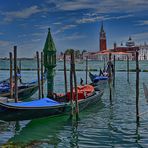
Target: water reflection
38 131
103 125
48 131
74 135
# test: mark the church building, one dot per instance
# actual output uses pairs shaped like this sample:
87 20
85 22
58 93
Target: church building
103 46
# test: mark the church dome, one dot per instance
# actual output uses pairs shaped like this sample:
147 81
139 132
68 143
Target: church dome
130 43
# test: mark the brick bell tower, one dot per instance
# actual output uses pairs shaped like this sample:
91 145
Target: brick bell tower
102 39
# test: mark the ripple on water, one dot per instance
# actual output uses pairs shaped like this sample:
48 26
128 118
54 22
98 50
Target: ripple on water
107 124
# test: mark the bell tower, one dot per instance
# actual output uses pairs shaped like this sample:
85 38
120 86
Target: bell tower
102 39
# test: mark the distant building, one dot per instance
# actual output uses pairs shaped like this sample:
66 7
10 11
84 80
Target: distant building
103 46
129 48
143 52
120 51
90 56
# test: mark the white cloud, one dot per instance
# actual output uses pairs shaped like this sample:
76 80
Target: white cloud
90 19
37 34
57 23
104 6
66 27
74 36
4 43
5 48
42 27
120 17
140 36
22 14
100 18
36 40
143 22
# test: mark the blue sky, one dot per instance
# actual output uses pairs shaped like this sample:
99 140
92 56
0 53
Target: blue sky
74 24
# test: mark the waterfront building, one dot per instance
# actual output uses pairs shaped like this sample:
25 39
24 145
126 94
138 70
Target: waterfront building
143 52
129 48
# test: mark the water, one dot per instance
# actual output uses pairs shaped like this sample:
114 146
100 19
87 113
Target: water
105 125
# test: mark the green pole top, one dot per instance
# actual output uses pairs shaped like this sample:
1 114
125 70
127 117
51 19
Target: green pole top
49 44
49 52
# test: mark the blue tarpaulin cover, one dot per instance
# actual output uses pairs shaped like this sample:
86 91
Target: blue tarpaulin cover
35 103
98 78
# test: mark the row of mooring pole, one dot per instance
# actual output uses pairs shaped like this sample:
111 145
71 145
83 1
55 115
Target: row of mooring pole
14 80
73 78
137 81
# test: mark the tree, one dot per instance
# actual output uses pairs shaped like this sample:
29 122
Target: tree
68 51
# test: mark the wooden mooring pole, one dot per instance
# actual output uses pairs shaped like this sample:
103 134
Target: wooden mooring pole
110 92
11 77
65 74
19 70
20 65
38 73
15 74
86 69
42 75
75 84
114 69
127 68
104 64
137 88
71 88
110 77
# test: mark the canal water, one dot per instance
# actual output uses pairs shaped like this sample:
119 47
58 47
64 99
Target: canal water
106 124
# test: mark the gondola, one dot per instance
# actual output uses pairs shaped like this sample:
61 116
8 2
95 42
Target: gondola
96 78
25 90
45 107
99 82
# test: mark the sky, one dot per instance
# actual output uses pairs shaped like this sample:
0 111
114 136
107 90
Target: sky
73 23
